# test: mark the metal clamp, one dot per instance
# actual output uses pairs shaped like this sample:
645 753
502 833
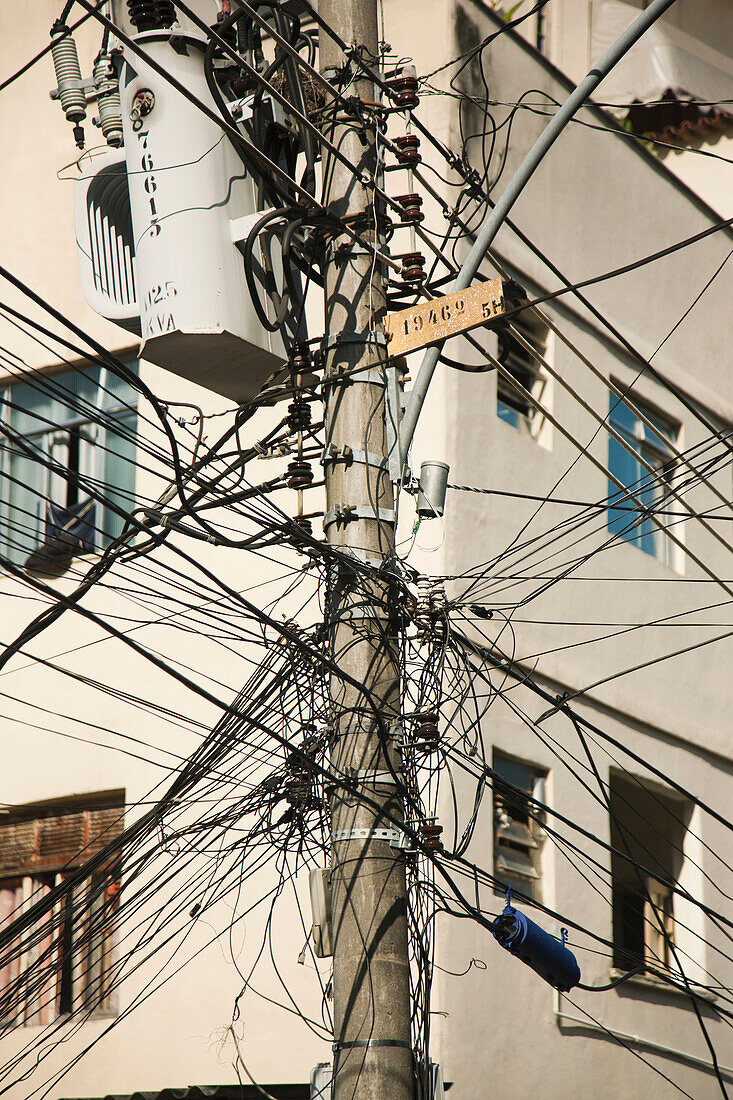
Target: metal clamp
347 337
346 1044
353 458
348 250
393 837
373 775
373 376
346 513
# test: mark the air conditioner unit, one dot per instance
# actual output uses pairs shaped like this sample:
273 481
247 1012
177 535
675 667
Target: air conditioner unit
157 226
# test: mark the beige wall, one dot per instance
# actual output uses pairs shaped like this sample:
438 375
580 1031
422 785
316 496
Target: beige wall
595 204
705 167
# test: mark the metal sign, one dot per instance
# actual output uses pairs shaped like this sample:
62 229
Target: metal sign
429 322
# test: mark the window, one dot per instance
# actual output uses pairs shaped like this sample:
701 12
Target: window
648 829
652 446
68 433
64 961
512 406
518 832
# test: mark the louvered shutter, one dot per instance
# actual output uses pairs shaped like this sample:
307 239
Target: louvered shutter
61 839
17 846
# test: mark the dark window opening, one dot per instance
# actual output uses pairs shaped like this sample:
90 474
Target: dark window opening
513 406
647 837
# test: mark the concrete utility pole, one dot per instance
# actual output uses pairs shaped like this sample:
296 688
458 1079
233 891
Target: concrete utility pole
371 989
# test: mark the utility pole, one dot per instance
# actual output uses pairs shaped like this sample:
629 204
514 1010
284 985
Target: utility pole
371 984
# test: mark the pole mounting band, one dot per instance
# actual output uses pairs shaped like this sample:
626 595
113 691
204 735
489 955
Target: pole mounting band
372 775
342 514
348 337
353 458
393 837
348 1043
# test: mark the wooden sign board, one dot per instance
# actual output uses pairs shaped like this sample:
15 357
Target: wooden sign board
429 322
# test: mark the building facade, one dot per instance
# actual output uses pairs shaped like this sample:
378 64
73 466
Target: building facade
558 573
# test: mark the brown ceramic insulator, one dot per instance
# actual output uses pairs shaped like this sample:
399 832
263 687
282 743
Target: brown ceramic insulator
299 360
427 736
299 416
304 524
404 92
411 207
431 837
300 474
413 267
409 146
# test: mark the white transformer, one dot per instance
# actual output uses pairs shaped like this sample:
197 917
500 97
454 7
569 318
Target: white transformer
157 226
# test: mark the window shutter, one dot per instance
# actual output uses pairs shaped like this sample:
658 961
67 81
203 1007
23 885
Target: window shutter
58 840
61 838
17 846
104 825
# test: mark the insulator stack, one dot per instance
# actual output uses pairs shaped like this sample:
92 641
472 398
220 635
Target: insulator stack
108 100
413 267
430 834
70 90
438 598
422 606
300 361
304 524
411 204
151 15
404 91
409 149
300 474
299 416
298 790
426 735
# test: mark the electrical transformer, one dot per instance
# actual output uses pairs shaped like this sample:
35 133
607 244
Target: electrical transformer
158 222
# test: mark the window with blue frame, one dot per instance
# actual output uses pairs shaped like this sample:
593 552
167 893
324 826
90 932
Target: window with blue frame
67 465
649 444
515 353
